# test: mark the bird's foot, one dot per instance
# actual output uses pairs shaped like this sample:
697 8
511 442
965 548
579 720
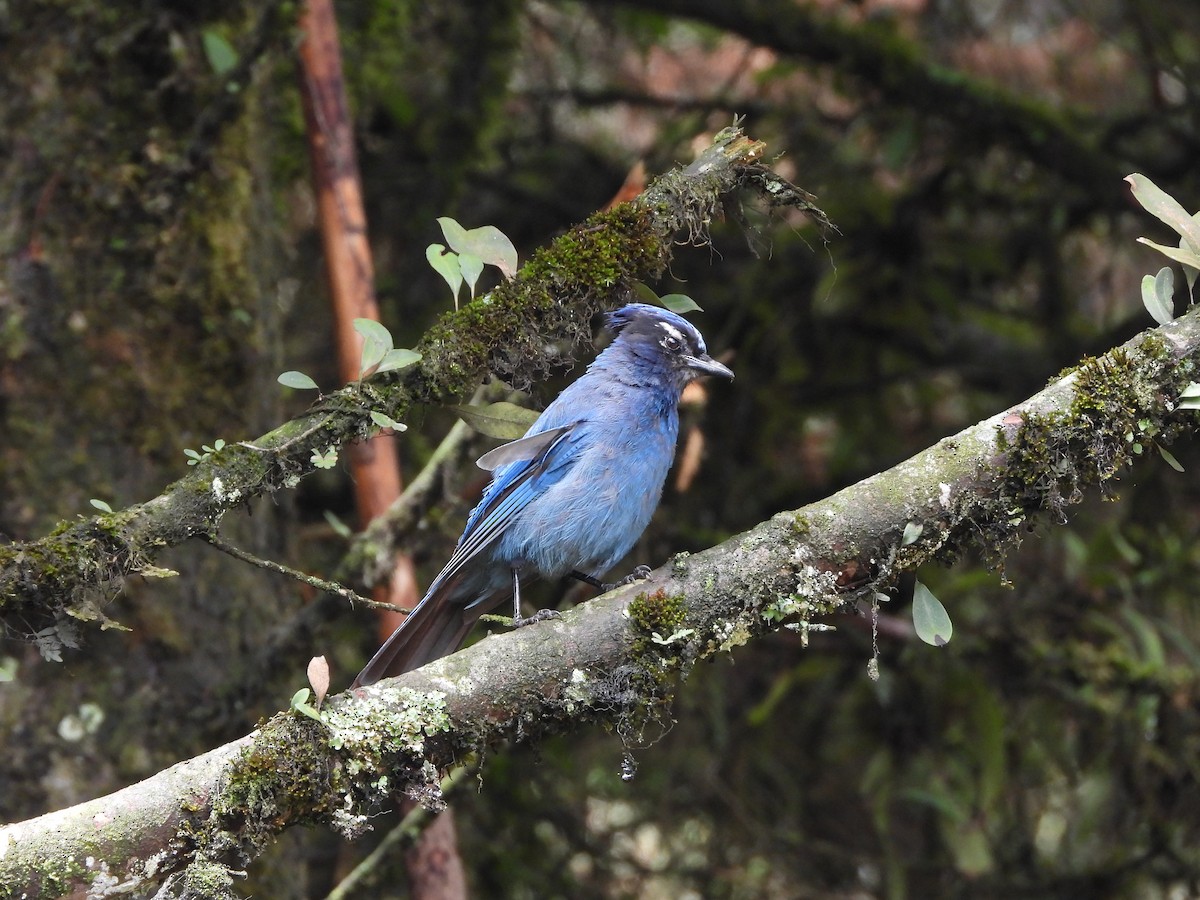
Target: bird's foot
641 573
540 616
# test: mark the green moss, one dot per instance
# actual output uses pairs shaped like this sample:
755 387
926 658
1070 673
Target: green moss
608 247
268 777
643 691
204 878
658 612
283 778
1156 350
658 619
55 876
1117 408
556 290
289 776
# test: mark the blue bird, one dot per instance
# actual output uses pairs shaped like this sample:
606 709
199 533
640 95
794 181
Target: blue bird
572 496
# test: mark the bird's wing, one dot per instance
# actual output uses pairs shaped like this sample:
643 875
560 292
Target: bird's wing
522 449
513 486
440 622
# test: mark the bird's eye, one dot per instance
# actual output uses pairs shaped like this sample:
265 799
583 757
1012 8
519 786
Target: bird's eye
672 343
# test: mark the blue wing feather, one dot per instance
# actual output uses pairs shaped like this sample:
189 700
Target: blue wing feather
513 487
523 448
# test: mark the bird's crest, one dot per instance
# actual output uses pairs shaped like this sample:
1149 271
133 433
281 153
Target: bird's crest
655 323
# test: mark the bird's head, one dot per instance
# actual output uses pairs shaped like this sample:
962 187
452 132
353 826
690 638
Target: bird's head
664 339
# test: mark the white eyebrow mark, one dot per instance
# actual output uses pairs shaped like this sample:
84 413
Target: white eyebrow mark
672 331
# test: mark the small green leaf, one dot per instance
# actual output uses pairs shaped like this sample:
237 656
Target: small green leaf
1190 397
676 303
220 54
1170 459
326 460
8 668
398 359
1163 206
472 267
645 293
930 618
100 505
1129 553
1164 288
446 265
971 849
679 303
1157 294
373 331
372 355
377 342
1190 272
455 234
912 531
298 381
1187 257
1148 638
385 421
487 243
340 528
502 420
941 799
305 709
300 704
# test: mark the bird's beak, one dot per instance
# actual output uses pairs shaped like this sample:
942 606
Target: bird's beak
706 365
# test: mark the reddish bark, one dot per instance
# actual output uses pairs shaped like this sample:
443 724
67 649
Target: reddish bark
434 865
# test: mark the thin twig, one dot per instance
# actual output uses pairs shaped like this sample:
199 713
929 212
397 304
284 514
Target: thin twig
279 448
320 584
369 555
402 836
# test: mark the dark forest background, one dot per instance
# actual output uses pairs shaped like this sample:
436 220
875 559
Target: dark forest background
162 267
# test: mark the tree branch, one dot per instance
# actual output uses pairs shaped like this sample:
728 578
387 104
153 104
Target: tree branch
72 573
881 57
614 659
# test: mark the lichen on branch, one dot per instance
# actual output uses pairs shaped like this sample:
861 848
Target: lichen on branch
49 584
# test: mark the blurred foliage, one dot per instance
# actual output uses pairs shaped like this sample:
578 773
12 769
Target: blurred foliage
970 154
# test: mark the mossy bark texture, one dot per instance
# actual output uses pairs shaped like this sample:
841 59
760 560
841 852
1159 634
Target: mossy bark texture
614 659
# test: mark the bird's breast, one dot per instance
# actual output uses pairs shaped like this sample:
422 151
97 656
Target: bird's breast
590 518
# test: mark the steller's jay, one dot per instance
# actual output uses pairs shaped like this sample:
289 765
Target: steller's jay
573 495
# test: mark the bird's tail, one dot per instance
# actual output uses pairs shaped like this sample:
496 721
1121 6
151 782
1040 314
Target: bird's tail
437 626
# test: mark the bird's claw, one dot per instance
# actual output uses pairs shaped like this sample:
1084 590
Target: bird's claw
540 616
641 573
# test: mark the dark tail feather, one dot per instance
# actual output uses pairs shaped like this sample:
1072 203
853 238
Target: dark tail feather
435 628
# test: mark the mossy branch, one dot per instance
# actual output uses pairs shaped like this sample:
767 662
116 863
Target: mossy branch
615 659
77 569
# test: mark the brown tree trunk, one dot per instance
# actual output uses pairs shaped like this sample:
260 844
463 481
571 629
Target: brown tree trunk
435 868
